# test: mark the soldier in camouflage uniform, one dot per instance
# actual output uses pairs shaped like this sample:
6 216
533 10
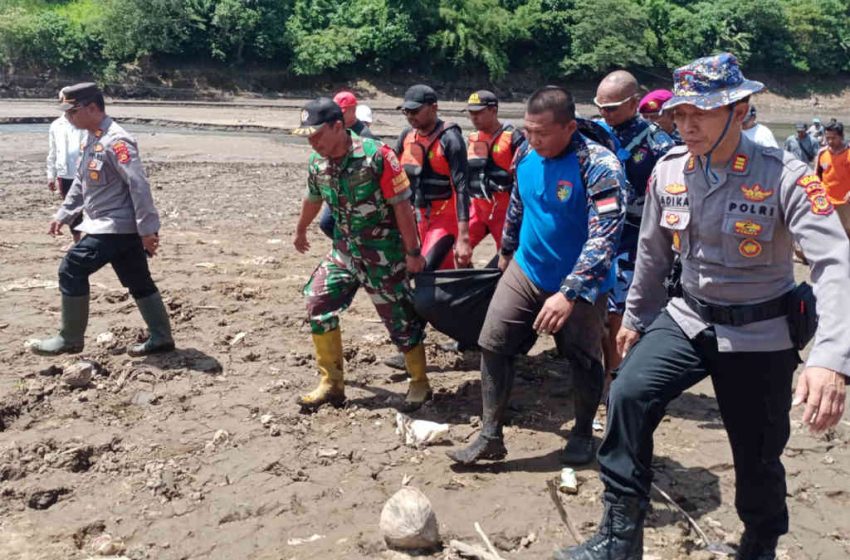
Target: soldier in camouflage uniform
375 245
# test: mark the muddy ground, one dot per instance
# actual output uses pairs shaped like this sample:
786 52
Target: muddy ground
175 456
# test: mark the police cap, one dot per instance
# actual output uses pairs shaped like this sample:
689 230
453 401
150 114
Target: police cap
78 95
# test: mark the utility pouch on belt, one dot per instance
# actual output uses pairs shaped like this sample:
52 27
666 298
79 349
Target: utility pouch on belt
802 315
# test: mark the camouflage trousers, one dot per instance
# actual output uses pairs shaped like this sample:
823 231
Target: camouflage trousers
332 286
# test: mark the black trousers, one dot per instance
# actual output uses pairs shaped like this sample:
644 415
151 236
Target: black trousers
123 251
753 392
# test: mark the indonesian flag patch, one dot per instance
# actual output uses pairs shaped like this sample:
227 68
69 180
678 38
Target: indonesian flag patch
607 205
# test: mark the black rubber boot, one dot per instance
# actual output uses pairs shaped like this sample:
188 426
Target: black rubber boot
753 547
159 327
497 378
619 537
71 337
587 392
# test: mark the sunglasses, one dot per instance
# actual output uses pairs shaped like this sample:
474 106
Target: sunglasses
610 107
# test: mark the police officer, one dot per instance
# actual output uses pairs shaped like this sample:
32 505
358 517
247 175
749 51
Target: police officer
433 154
120 222
563 224
642 144
732 209
490 152
374 246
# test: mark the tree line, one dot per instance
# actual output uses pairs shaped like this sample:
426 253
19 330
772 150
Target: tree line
450 38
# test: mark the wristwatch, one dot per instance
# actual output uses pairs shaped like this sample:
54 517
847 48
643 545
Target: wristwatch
415 252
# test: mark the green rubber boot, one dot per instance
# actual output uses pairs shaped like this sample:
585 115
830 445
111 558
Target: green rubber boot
159 326
71 337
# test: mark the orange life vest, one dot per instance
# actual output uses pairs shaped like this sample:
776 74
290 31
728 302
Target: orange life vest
490 158
426 164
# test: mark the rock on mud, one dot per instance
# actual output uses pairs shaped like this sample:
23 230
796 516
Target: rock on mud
408 521
80 374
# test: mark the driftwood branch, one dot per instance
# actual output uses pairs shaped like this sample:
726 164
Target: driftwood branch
487 542
553 493
471 551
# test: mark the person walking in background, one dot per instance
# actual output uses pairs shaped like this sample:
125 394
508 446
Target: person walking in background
801 145
651 109
63 155
364 114
818 132
756 131
833 167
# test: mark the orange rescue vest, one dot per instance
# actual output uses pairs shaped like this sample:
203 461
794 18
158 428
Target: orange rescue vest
490 158
426 164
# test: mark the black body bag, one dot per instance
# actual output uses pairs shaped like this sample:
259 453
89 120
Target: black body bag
802 315
455 302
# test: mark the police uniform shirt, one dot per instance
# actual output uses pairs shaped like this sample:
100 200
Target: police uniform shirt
110 187
735 236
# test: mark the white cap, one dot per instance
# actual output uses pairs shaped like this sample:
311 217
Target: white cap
363 113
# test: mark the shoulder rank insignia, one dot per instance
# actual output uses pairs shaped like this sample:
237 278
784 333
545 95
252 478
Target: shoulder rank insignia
739 164
691 165
756 193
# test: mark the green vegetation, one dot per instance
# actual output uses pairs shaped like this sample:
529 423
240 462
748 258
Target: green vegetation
450 38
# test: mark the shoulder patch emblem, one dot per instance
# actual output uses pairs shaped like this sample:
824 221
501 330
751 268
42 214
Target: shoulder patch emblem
98 147
749 248
390 157
122 152
756 193
672 218
564 190
675 188
739 164
94 175
816 194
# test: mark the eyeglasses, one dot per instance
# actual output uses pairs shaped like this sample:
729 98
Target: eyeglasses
610 107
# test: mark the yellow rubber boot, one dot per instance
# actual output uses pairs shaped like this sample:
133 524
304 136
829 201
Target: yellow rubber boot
419 390
331 388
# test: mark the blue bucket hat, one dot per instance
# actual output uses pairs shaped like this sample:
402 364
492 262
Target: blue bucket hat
711 82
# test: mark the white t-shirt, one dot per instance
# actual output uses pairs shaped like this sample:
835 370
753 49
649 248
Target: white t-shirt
762 135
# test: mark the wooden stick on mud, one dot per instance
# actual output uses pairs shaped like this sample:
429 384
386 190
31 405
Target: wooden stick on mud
487 542
470 551
553 493
690 519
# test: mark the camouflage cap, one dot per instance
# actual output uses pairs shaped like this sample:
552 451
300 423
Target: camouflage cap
711 82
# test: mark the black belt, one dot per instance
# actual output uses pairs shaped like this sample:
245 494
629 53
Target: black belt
737 315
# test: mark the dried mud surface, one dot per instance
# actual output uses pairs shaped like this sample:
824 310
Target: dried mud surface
202 453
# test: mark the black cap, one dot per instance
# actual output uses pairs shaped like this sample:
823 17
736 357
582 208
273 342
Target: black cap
418 95
78 95
800 126
481 99
316 113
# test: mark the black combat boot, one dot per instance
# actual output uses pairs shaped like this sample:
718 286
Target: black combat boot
753 547
497 378
619 537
